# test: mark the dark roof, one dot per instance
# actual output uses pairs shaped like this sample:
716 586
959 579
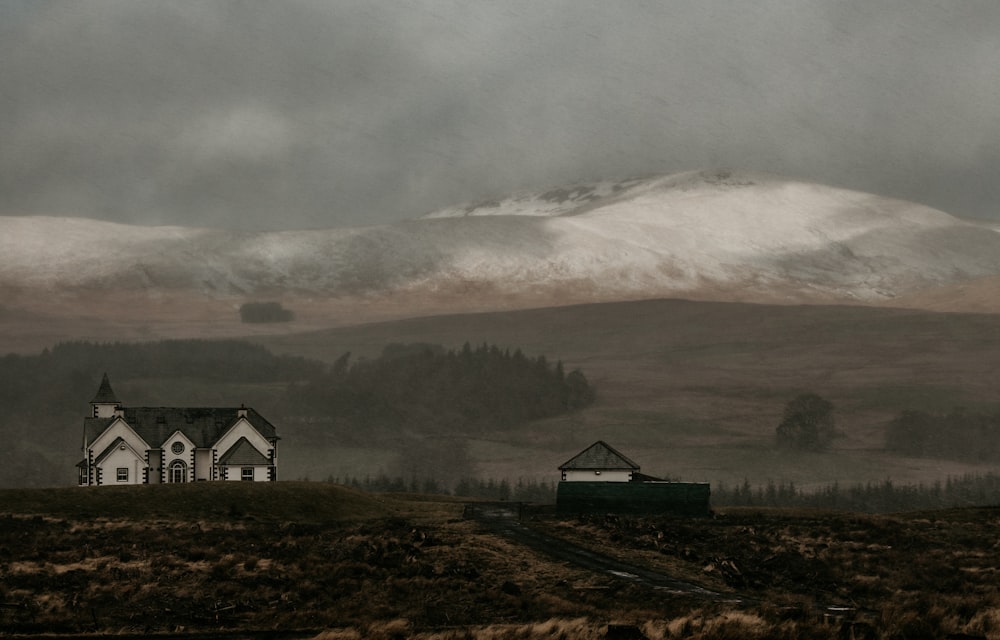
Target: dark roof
243 453
105 395
642 477
202 426
599 456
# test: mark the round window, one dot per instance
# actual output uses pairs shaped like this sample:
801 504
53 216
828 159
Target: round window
177 447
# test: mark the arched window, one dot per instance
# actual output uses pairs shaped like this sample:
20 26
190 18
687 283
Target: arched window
177 471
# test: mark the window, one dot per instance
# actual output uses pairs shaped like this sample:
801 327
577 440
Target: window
177 448
177 472
246 473
122 474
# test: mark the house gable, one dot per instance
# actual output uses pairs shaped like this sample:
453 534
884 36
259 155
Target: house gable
599 462
118 428
242 454
119 463
243 429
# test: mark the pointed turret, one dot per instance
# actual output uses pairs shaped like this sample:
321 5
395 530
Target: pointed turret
105 402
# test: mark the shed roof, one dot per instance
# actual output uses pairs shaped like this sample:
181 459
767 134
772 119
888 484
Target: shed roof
599 456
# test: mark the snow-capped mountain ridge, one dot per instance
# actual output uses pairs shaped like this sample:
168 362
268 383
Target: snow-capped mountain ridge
711 234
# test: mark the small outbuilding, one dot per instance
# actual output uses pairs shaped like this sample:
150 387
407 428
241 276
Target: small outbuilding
600 479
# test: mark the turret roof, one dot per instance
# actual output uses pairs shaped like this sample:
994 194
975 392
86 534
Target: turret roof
105 395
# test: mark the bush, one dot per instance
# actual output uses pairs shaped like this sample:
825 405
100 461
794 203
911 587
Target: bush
807 423
265 312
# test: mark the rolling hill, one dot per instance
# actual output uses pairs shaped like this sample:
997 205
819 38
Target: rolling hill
711 235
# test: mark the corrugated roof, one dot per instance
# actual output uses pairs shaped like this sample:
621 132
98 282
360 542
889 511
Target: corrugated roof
243 453
599 456
105 395
202 426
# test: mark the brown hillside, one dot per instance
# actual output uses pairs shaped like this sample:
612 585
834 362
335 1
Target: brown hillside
695 389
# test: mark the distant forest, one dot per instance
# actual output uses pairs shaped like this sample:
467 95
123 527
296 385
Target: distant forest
425 389
411 391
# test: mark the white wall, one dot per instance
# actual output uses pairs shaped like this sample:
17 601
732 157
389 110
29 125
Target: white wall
235 473
184 456
122 458
203 464
581 475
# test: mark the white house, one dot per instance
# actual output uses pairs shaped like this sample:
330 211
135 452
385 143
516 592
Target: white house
600 462
151 445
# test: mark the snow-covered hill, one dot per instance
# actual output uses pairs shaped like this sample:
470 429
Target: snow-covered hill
709 235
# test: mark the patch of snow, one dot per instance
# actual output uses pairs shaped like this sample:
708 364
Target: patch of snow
743 233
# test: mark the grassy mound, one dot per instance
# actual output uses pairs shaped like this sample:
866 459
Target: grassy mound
274 501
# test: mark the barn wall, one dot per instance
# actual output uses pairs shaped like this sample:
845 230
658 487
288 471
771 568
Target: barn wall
589 475
689 498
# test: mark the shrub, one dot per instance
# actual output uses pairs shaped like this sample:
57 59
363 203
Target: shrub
265 312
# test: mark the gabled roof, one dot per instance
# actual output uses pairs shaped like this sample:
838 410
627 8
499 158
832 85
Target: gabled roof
105 395
243 453
599 456
202 426
111 447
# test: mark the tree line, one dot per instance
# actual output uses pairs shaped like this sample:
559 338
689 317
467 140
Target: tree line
541 492
872 497
426 389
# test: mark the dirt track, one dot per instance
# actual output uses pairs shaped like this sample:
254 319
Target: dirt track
506 519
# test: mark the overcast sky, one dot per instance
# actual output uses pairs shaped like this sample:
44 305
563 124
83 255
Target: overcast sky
270 115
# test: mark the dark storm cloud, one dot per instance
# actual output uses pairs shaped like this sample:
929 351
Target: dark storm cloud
312 114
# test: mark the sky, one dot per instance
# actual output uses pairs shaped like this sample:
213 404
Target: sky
262 115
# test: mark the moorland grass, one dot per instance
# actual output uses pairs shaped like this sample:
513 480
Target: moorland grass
273 501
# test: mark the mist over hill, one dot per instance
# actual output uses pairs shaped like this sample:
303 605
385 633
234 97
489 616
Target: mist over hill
710 235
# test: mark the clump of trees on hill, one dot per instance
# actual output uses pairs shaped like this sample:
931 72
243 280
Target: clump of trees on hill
437 391
807 423
958 435
265 312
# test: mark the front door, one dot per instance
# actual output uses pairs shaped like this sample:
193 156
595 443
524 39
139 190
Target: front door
177 472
